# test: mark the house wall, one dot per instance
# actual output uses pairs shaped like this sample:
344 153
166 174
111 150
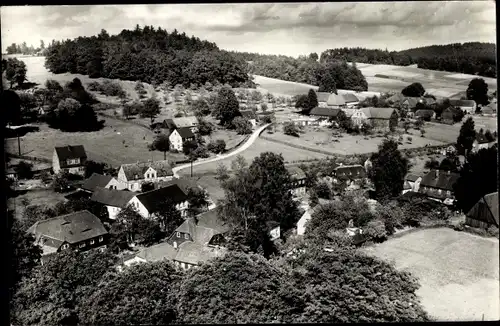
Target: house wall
136 203
55 162
322 104
476 223
301 224
380 123
434 192
358 117
175 140
113 212
115 184
179 237
80 170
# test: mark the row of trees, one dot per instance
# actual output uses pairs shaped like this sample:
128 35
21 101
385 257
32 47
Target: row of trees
149 55
24 48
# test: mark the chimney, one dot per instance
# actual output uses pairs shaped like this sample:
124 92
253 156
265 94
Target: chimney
175 244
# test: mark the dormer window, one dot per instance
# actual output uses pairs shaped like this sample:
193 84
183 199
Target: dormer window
81 245
186 236
65 246
101 239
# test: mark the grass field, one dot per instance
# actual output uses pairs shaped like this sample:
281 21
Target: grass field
117 143
280 87
458 272
46 197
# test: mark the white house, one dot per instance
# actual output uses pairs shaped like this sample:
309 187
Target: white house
179 136
350 100
298 181
146 202
132 176
69 159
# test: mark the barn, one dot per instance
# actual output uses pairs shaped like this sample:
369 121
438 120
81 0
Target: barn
484 213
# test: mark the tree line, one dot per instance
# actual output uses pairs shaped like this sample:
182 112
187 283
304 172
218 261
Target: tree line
25 49
149 55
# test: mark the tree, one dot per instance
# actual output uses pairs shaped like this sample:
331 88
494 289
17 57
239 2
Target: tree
169 217
24 170
153 300
12 106
312 100
289 128
302 102
92 167
256 96
366 128
389 168
218 146
242 126
147 186
188 148
197 201
478 91
200 107
138 229
226 106
161 143
151 109
406 126
431 164
322 190
489 136
313 56
413 90
344 121
466 137
15 71
61 182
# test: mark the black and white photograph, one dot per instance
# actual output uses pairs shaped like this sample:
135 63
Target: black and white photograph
233 163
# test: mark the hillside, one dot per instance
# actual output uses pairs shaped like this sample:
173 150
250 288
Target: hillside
149 55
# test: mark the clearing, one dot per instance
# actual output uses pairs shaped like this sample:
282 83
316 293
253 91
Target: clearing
458 272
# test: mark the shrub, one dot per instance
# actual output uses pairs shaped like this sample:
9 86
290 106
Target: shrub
289 128
376 230
242 125
218 146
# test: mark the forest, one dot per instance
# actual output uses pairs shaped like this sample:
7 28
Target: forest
149 55
468 58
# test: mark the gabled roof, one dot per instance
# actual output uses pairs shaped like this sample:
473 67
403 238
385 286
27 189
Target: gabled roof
486 209
378 113
335 100
406 185
169 123
70 152
96 180
412 101
348 112
248 114
185 122
412 177
185 133
151 198
424 113
430 101
158 252
398 97
71 228
296 173
464 103
112 197
323 96
324 112
350 171
349 98
132 170
209 224
440 180
194 253
481 138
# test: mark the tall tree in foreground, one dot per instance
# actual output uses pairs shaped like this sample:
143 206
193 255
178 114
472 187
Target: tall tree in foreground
466 137
15 71
389 168
478 91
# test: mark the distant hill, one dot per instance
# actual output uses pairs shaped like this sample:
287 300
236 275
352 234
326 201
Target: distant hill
473 58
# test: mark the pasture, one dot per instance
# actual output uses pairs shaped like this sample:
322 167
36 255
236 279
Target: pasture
458 272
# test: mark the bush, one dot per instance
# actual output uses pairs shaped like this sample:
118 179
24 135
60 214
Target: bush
218 146
242 125
289 128
376 230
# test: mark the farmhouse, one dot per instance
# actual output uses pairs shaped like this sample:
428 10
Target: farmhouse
324 115
274 230
447 116
102 181
135 174
350 99
481 142
426 115
322 98
79 231
250 116
69 159
298 180
179 136
438 185
468 106
114 200
349 172
489 110
181 122
484 213
147 202
378 118
335 101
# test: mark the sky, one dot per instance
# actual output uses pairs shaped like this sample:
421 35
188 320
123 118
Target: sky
279 28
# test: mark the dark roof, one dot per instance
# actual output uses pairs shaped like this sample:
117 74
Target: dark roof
439 179
185 132
322 96
112 197
406 185
185 122
350 171
71 228
481 138
96 180
398 97
158 252
424 113
169 123
378 113
296 173
486 209
70 152
150 198
324 112
412 101
195 253
162 169
349 98
412 177
249 114
466 103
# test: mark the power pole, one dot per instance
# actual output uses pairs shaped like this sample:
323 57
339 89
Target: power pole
19 144
191 167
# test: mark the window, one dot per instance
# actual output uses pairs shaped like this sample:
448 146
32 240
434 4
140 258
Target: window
448 192
439 191
101 239
186 236
92 241
81 245
65 246
178 234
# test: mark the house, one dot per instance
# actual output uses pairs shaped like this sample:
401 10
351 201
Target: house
430 102
426 115
396 98
274 230
102 181
484 213
145 203
11 174
322 98
406 188
447 116
438 185
114 200
489 110
349 172
335 101
298 181
350 99
132 176
250 116
378 118
69 159
481 142
179 136
324 115
410 103
414 181
468 106
80 230
349 112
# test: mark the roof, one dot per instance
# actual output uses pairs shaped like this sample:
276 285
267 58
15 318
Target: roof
440 180
323 96
412 101
406 185
112 197
150 198
194 253
424 113
138 169
350 171
335 100
396 98
70 152
71 228
481 139
348 112
349 97
430 101
486 209
249 114
169 123
158 252
466 103
324 112
412 177
378 113
185 133
296 173
96 180
184 122
209 224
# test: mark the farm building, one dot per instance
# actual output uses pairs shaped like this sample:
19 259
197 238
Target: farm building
135 174
146 203
481 142
322 98
468 106
378 118
413 181
350 99
438 185
489 110
179 136
114 200
335 101
484 213
410 103
298 179
426 115
430 102
448 116
69 159
103 181
182 122
324 115
349 172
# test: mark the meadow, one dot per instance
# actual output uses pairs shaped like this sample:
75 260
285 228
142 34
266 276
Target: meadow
458 272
